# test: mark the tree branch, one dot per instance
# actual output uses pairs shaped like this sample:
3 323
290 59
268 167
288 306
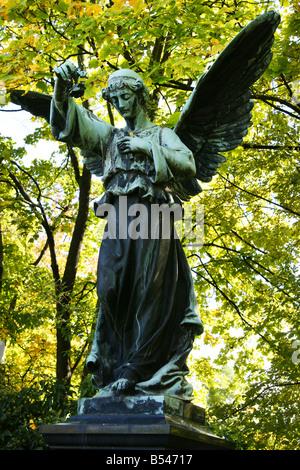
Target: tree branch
247 146
1 257
253 400
78 232
287 85
39 258
45 224
288 209
75 164
267 98
213 283
230 301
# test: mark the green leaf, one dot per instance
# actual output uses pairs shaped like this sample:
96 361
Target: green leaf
42 86
93 64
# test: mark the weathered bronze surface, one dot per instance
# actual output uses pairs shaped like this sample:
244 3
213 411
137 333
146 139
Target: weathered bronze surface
135 423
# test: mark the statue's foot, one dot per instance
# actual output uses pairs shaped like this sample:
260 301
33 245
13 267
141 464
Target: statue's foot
123 385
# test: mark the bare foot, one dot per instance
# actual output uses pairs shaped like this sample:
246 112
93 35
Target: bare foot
121 385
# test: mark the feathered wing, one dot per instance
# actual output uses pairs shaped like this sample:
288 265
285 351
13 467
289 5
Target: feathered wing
217 115
34 102
39 104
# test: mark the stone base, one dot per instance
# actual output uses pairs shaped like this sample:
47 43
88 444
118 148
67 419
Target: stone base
134 423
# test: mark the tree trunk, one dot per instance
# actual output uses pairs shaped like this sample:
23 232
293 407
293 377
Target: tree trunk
63 329
1 258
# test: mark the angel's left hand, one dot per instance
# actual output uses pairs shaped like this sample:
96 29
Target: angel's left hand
134 144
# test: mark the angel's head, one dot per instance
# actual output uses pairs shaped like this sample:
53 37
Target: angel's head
126 80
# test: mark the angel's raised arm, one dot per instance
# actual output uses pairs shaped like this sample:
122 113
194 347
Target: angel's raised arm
73 123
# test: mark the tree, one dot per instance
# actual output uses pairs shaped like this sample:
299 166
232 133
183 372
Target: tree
40 210
246 272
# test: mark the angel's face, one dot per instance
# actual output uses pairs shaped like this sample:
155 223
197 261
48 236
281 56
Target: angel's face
126 102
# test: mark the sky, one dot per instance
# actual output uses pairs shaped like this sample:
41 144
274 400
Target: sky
17 125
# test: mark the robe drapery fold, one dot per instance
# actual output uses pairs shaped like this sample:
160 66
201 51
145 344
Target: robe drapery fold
148 314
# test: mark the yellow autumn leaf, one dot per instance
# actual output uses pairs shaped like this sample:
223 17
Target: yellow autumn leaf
32 425
95 10
34 67
3 333
214 41
31 40
137 5
118 5
216 49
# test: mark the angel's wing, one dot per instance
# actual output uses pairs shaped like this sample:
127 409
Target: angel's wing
38 104
218 113
34 102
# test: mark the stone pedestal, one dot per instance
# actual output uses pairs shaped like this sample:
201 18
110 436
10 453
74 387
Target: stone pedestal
134 423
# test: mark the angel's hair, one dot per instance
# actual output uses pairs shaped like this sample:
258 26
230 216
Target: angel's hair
129 80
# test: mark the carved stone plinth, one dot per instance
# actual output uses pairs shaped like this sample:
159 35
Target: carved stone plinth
134 423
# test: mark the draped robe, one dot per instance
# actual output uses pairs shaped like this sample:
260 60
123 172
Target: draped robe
148 314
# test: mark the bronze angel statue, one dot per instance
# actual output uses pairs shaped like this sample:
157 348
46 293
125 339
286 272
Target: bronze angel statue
148 316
